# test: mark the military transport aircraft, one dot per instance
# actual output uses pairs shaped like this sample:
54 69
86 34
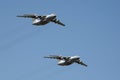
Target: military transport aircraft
65 61
42 20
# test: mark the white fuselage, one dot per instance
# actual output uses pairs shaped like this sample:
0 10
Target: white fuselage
44 20
69 61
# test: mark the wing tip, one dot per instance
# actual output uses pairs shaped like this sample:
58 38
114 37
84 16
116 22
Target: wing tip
63 25
45 57
86 65
18 16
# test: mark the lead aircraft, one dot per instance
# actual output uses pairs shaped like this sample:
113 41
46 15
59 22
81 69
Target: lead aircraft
65 61
42 20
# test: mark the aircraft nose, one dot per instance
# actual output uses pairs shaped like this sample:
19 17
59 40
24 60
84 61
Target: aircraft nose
54 15
76 57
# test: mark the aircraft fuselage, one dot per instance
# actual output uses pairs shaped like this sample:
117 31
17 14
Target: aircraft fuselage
71 60
45 20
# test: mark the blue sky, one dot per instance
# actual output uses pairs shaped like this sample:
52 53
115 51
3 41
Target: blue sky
92 31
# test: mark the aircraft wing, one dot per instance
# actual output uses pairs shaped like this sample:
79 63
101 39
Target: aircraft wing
29 16
58 22
57 57
54 57
80 62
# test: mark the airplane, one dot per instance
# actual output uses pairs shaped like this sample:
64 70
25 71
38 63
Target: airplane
65 61
42 20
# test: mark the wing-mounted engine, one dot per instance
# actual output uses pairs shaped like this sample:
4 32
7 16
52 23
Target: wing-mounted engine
66 58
